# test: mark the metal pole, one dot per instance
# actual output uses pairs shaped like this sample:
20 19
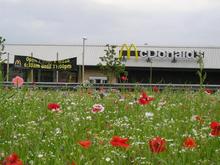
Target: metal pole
7 78
32 71
149 60
151 72
83 56
57 72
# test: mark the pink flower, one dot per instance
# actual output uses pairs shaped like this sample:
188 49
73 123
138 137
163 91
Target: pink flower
197 118
18 81
124 78
96 108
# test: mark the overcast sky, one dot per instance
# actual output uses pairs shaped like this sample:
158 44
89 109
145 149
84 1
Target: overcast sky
155 22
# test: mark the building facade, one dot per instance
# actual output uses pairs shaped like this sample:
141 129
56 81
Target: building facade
144 64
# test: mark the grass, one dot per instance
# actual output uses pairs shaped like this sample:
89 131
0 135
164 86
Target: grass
40 136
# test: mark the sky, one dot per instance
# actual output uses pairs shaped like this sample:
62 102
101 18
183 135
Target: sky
142 22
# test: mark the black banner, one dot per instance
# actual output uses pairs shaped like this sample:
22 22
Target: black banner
27 62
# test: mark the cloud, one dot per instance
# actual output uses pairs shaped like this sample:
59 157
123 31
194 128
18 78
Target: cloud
160 5
111 21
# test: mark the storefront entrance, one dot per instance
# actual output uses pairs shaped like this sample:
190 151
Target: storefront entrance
170 75
43 76
51 76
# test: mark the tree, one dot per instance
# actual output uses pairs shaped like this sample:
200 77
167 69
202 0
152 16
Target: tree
110 65
2 47
202 75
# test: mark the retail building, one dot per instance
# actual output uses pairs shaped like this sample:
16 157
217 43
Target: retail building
145 64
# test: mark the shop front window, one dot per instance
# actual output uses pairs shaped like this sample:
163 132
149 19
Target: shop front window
98 80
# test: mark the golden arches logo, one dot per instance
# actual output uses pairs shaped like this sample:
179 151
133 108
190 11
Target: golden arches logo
18 62
125 46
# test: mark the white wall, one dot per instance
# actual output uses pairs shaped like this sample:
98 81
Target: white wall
93 52
211 58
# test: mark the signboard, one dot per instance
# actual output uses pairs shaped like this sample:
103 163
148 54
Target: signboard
159 54
27 62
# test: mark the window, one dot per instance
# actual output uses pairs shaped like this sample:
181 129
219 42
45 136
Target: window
91 81
98 80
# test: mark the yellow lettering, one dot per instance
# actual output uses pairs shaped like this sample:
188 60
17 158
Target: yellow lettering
125 46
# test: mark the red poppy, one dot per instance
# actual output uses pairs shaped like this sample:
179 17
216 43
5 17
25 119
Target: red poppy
54 107
156 89
157 144
117 141
85 144
124 78
215 126
73 163
209 91
12 159
145 99
189 142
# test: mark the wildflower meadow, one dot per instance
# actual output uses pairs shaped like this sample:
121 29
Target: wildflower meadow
98 127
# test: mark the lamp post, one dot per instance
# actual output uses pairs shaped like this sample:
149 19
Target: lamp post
151 72
7 77
32 71
83 57
57 72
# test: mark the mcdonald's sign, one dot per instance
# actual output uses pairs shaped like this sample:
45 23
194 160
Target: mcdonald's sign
18 63
147 53
128 49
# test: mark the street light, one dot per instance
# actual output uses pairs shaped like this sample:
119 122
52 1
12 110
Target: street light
83 56
7 75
